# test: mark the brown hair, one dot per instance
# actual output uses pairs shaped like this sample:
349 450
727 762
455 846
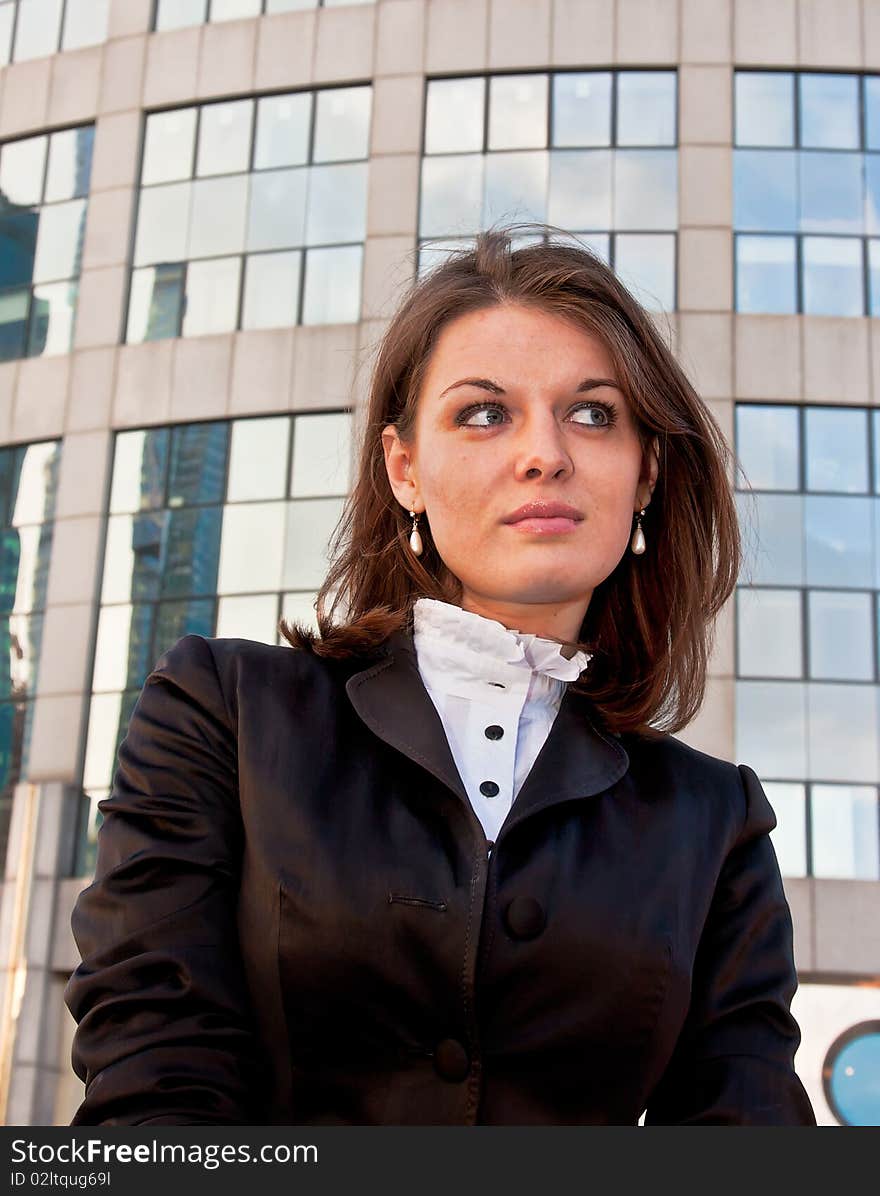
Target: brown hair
650 624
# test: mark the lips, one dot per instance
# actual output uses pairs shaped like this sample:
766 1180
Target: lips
544 511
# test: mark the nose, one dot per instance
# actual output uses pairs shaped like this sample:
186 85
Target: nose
541 450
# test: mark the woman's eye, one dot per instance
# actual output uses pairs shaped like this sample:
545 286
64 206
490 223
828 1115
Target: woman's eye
605 411
495 415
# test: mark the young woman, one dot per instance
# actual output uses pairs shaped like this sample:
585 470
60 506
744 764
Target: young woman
446 862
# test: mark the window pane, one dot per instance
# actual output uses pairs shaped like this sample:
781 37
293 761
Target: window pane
433 253
225 137
766 274
833 276
190 566
105 716
258 459
769 633
333 286
646 266
829 110
321 455
70 164
582 108
845 832
310 525
872 192
874 273
838 541
646 108
53 308
18 245
232 10
123 647
454 115
162 224
134 557
35 495
342 124
337 204
140 465
60 240
515 187
271 290
773 538
7 12
283 130
251 617
837 449
211 296
13 320
156 302
841 639
782 706
842 739
219 211
174 619
764 108
276 219
197 466
252 548
174 14
645 189
300 608
85 23
767 443
518 111
580 189
765 190
789 836
831 193
872 111
452 195
21 170
37 29
168 146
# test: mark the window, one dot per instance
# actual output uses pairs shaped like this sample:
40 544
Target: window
35 28
44 183
807 623
217 528
807 192
592 152
174 14
252 214
28 489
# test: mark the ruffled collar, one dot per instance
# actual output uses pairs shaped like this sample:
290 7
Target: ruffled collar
491 640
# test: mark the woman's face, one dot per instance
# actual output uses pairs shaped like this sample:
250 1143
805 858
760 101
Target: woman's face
520 406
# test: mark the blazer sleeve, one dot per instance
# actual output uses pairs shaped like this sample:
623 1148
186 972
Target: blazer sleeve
164 1032
733 1063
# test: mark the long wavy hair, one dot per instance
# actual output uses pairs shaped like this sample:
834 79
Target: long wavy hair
650 625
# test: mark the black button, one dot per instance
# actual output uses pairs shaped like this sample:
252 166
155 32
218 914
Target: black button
494 732
524 917
451 1060
488 788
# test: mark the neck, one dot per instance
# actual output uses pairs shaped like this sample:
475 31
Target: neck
558 621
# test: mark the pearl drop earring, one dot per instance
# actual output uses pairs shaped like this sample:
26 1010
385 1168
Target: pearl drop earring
638 538
415 540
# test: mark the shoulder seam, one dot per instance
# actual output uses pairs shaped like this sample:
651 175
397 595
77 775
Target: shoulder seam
229 719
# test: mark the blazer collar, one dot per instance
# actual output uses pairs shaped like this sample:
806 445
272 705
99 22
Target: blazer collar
576 760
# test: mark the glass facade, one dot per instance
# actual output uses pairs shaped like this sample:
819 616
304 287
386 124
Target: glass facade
174 14
44 183
35 28
807 623
591 152
807 192
252 214
217 528
28 488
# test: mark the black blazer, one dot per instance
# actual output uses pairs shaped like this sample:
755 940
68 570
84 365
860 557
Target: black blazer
295 919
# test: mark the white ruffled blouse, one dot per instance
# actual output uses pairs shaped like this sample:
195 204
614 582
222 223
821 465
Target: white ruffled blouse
497 692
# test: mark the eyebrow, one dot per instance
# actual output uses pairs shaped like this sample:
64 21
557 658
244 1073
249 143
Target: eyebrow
488 384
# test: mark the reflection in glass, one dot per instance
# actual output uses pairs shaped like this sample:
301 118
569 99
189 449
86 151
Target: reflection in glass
271 290
773 538
451 195
34 498
833 276
515 187
276 219
764 108
872 111
13 320
251 617
645 108
7 13
337 204
140 464
155 304
232 10
646 266
28 547
321 455
70 164
283 130
768 445
645 189
104 736
838 541
225 137
176 619
872 192
782 706
37 29
197 468
518 111
53 308
789 836
219 210
874 275
765 190
211 296
21 637
582 108
162 224
251 548
22 164
192 552
845 832
342 124
454 115
333 286
169 142
841 639
60 241
258 459
174 14
766 274
310 525
580 189
829 110
85 23
837 449
123 647
831 193
134 557
769 632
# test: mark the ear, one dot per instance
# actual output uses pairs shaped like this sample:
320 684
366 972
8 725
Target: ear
648 476
400 468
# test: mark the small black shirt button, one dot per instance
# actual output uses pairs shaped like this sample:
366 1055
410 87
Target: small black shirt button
488 788
494 732
524 917
451 1060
